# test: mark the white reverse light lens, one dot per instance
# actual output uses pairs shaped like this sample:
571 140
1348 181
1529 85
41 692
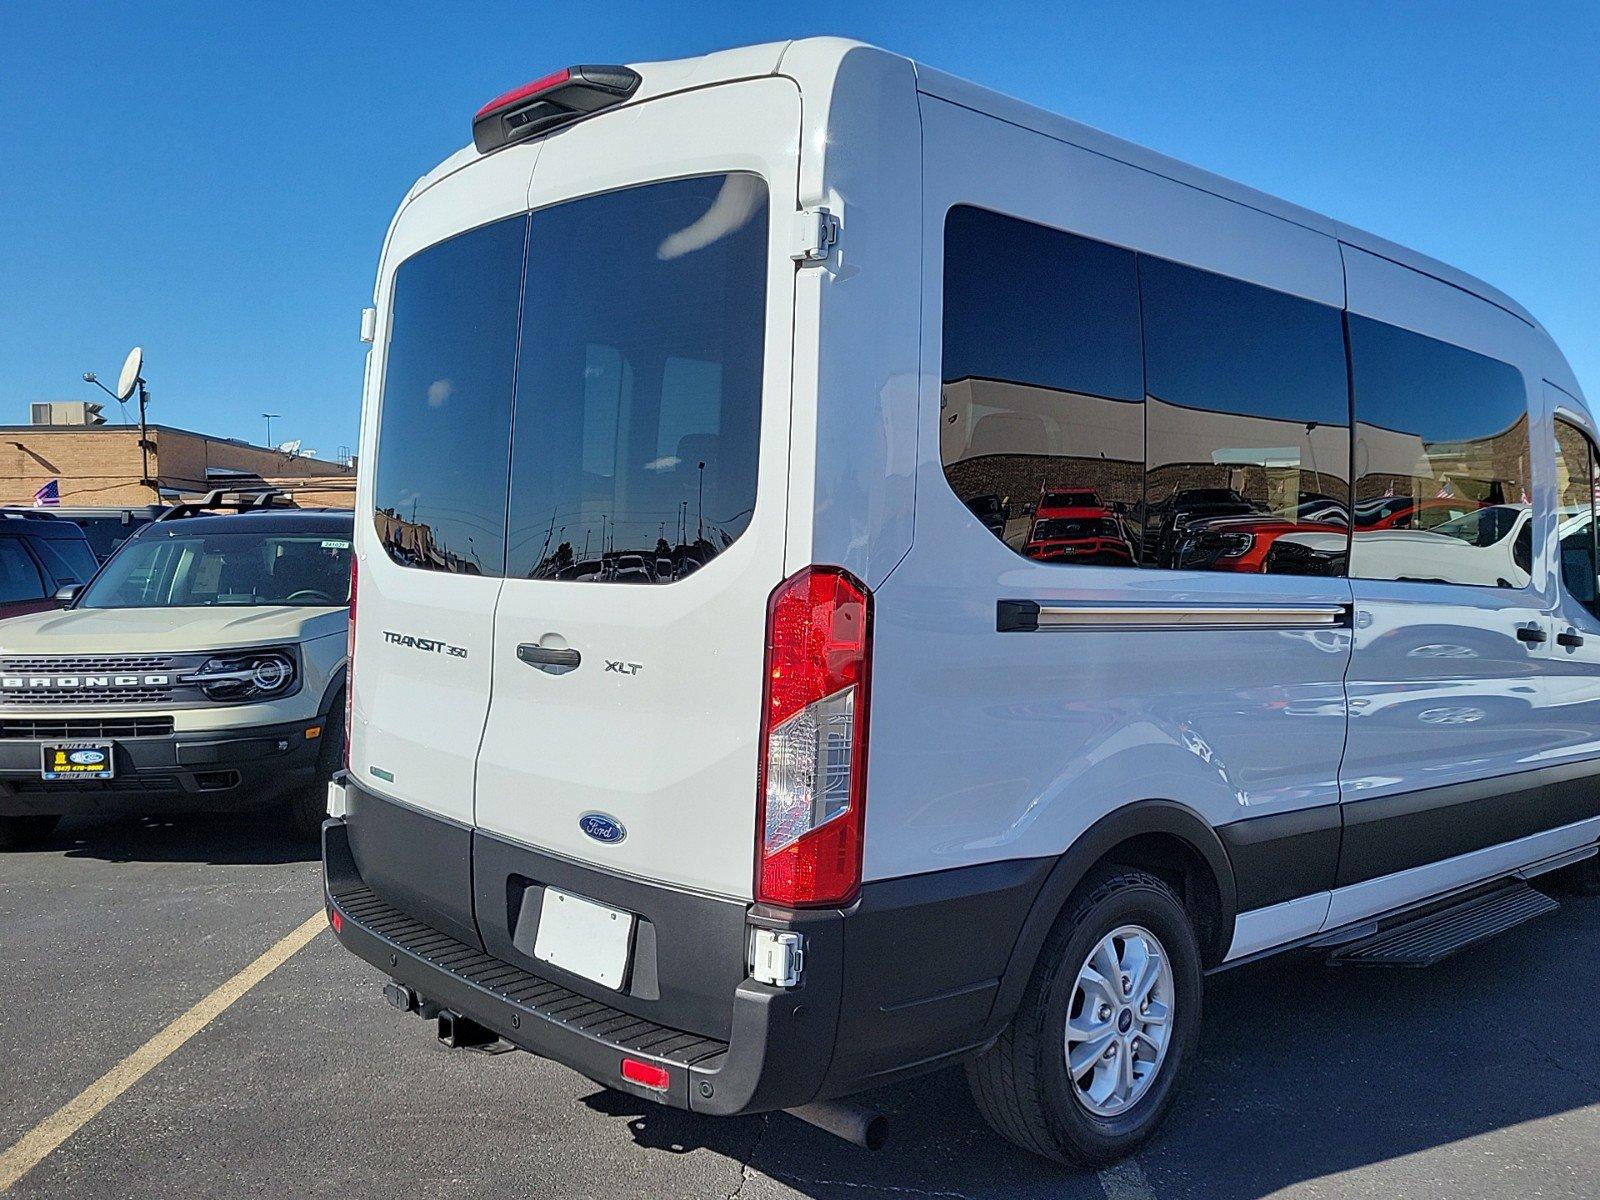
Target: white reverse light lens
808 769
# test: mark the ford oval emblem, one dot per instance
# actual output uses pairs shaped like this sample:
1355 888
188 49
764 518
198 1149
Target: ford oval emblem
87 758
602 828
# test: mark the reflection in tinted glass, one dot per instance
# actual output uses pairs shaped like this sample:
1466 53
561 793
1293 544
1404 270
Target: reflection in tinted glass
639 389
1248 435
1041 414
1441 434
19 578
1577 528
440 490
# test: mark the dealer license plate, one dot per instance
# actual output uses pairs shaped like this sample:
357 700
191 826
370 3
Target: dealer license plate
76 760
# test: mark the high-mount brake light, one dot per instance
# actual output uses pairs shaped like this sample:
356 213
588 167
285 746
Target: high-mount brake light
812 775
550 101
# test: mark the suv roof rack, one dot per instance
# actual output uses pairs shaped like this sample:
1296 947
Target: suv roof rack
20 513
232 499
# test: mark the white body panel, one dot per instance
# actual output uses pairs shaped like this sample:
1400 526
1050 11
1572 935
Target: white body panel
982 747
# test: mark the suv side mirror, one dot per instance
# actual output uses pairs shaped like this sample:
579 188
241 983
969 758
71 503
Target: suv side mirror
68 592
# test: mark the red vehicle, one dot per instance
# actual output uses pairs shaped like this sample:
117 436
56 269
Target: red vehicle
1083 535
1402 512
1064 502
1242 544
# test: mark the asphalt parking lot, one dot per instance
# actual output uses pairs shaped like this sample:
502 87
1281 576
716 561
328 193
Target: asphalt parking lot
1478 1078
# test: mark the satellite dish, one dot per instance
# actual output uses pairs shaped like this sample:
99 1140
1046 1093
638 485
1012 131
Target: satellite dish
130 373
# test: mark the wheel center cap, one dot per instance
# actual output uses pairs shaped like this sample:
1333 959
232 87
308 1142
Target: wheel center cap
1125 1020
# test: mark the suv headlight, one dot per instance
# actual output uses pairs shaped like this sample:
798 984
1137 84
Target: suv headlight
247 675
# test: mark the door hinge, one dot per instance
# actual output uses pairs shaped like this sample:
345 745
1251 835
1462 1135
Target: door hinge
816 234
369 325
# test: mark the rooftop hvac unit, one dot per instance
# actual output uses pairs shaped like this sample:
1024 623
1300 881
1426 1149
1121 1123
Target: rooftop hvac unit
65 412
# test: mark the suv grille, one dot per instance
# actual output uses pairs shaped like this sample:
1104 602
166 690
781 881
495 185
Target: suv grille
39 728
40 681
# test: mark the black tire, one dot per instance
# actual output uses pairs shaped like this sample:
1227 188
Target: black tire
1580 879
308 807
1021 1083
19 833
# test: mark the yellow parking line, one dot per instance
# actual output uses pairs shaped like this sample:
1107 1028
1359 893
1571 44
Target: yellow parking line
40 1141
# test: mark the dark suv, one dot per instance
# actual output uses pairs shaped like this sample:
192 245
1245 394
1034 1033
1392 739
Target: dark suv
39 555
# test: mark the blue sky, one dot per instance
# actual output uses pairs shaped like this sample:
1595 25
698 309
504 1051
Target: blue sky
214 181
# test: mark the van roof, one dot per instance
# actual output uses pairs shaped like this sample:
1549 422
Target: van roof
814 62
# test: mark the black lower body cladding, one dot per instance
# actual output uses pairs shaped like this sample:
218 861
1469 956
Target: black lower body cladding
211 771
904 979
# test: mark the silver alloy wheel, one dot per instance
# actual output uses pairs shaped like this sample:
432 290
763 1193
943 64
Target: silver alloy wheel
1119 1021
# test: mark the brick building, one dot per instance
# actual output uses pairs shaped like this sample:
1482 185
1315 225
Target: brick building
100 465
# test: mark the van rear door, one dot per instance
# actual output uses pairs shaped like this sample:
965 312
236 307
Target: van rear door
431 527
648 489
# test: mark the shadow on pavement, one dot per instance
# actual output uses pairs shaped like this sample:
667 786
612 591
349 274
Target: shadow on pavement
1306 1073
223 839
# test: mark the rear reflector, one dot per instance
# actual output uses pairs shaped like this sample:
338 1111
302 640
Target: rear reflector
553 100
646 1074
812 777
336 919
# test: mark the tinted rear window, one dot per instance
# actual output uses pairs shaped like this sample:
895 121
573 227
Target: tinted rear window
638 406
445 421
635 397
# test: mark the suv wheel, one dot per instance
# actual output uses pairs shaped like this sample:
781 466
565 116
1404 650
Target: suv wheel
18 833
1089 1064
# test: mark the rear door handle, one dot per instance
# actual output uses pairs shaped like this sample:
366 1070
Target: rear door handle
549 659
1532 634
1570 639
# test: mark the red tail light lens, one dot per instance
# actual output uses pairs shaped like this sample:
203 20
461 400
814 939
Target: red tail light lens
812 784
550 101
646 1074
350 666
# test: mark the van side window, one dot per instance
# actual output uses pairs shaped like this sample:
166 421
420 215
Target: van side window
1041 426
1247 435
1442 461
1576 526
444 423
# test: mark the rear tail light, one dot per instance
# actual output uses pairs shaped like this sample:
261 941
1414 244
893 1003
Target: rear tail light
646 1074
553 100
350 666
812 778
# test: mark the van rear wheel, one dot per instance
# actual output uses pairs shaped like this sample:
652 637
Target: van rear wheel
1108 1023
18 833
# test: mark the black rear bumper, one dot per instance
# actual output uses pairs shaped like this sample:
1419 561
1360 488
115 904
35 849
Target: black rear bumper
776 1056
903 981
224 769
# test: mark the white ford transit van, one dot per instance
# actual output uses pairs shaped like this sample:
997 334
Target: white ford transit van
858 574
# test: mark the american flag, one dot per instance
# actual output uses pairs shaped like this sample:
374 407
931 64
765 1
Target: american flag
49 495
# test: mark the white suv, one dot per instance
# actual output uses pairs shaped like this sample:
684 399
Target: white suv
202 668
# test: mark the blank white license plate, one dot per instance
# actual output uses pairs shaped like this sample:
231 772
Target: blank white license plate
583 937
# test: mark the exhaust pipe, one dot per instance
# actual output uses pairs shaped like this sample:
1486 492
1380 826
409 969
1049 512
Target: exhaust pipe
855 1123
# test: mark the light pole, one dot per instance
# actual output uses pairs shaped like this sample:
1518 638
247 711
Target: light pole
268 417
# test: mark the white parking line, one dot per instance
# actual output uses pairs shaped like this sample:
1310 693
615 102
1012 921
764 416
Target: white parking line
39 1142
1126 1181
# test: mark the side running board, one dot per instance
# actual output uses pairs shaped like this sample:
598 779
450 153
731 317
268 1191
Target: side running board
1425 940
